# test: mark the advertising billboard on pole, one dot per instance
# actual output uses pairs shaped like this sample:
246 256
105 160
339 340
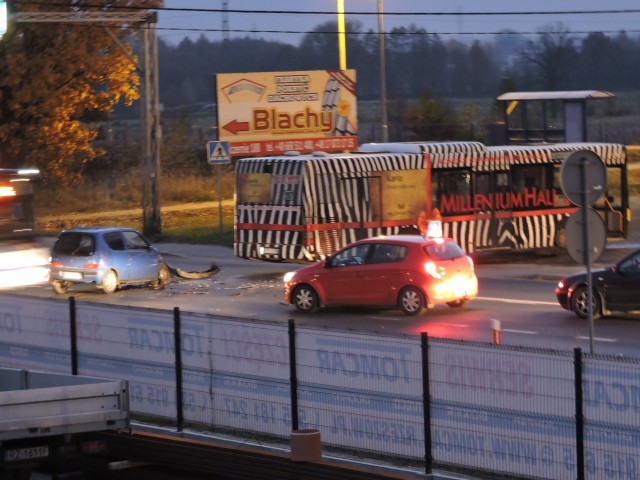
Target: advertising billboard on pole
270 113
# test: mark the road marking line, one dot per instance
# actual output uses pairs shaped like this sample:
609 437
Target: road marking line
508 300
451 325
524 332
598 339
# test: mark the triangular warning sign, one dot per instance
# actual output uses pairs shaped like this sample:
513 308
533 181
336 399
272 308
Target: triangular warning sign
219 153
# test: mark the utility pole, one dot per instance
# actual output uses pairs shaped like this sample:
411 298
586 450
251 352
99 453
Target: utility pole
149 94
225 20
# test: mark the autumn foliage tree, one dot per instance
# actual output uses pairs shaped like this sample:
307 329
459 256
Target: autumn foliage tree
53 74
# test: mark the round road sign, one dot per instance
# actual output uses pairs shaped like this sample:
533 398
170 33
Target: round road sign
576 232
594 182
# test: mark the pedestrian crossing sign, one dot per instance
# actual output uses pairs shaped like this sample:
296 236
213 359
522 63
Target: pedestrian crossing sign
218 153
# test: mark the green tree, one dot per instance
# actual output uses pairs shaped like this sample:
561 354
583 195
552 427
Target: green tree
51 75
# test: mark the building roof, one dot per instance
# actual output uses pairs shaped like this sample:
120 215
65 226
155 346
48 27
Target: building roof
562 95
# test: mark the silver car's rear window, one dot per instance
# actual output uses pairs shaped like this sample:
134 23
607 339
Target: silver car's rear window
75 243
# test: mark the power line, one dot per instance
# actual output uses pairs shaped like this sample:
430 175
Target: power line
333 32
319 12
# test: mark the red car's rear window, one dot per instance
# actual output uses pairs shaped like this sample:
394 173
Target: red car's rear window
444 251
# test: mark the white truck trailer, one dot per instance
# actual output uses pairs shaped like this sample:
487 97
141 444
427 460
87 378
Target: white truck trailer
41 412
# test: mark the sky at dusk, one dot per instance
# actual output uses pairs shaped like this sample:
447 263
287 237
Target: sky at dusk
461 22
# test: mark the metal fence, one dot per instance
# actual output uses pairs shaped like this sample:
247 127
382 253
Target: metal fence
491 409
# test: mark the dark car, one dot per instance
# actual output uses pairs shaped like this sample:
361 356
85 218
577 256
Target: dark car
409 272
615 289
107 257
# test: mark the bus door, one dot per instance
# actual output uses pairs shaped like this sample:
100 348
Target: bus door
360 198
491 217
613 207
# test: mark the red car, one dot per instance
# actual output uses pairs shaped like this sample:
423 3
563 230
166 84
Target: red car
409 272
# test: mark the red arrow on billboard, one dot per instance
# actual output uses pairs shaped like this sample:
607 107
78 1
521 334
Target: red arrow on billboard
234 127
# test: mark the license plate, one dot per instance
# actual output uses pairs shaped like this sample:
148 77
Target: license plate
26 453
71 275
271 251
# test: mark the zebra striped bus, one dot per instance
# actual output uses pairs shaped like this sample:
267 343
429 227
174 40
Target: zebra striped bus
305 207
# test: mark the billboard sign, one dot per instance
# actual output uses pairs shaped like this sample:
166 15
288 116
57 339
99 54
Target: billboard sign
270 113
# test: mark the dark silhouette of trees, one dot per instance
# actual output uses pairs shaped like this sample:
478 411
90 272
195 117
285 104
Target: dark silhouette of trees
555 59
551 59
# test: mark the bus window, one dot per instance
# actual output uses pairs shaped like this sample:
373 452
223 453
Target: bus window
528 177
483 184
561 199
452 190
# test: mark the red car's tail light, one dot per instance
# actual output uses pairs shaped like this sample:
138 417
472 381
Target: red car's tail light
432 269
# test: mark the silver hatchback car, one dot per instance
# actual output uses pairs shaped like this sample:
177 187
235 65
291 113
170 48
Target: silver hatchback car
108 257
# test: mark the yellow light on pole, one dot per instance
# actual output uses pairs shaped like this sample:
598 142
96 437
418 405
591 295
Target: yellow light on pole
342 43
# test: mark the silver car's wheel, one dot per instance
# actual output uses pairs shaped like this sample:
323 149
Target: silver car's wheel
305 299
109 282
580 303
60 287
411 301
164 277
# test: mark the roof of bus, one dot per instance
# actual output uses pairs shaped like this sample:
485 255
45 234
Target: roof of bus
561 95
317 156
420 147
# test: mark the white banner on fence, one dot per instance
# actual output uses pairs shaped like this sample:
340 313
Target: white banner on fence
34 334
243 380
362 389
503 410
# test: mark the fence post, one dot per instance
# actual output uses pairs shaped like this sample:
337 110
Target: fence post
426 403
73 334
178 353
577 363
293 375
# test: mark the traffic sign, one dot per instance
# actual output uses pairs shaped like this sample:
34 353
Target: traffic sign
218 153
580 236
584 177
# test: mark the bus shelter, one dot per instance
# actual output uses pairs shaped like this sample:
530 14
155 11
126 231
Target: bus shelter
549 117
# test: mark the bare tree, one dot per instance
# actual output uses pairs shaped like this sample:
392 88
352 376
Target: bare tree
551 59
